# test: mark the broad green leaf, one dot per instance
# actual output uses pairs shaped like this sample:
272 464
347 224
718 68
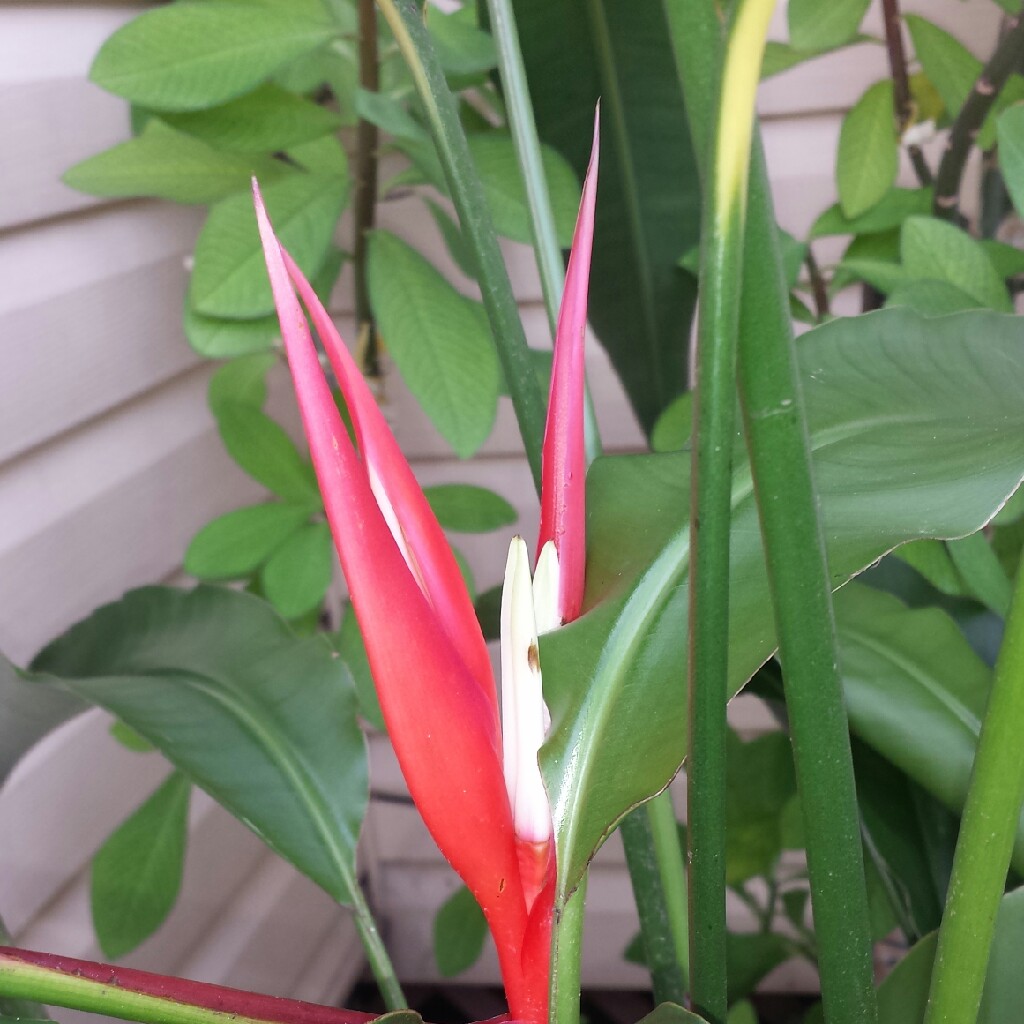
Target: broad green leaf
949 65
931 297
264 450
889 212
262 720
453 240
933 249
982 573
218 338
670 1013
130 739
821 24
498 166
742 1013
238 543
1007 259
868 154
230 276
880 274
460 930
1011 153
264 121
462 48
674 426
27 714
779 57
298 573
931 559
243 381
439 339
349 644
187 56
915 426
903 995
466 508
136 874
389 115
325 155
648 204
169 164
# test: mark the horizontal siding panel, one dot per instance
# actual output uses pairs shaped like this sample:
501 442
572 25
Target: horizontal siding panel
52 115
90 317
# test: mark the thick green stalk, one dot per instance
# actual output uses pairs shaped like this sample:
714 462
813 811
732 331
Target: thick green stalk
668 977
406 23
710 518
987 830
776 434
151 998
567 957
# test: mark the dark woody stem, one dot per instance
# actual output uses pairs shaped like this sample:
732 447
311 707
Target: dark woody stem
818 288
972 115
903 104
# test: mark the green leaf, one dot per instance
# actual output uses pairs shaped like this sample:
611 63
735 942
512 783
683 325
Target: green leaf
460 930
439 339
868 154
243 381
1009 96
903 995
673 428
27 714
169 164
136 874
298 573
130 739
217 338
750 957
454 241
1007 259
648 205
262 448
742 1013
889 212
1011 153
325 156
915 426
949 65
262 720
462 48
931 297
238 543
931 559
187 56
266 120
230 276
670 1013
349 643
823 24
498 167
880 274
389 115
465 508
935 249
488 612
981 571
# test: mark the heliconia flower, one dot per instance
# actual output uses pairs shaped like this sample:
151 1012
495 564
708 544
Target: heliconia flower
482 799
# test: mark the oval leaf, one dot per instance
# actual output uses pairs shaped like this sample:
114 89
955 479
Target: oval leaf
189 56
868 157
262 720
915 427
460 931
298 574
824 24
468 509
440 341
136 874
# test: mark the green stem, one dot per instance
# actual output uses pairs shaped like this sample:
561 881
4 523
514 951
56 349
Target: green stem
710 518
987 830
376 954
668 977
523 127
151 998
776 433
567 958
11 1007
668 852
406 23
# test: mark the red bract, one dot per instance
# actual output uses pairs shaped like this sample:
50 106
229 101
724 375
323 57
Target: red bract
423 641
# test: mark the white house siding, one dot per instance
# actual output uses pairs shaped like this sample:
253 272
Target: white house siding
109 462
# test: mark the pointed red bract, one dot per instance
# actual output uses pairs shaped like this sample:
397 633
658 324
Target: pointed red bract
564 463
440 718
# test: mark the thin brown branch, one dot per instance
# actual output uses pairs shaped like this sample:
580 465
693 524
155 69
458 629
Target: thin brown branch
818 288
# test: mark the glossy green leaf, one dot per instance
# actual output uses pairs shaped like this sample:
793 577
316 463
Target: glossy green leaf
915 427
230 276
937 250
983 575
466 508
187 56
498 166
903 995
264 121
439 339
1011 153
297 575
349 644
27 714
648 203
889 212
262 448
460 930
136 874
822 24
674 426
931 297
931 559
264 721
169 164
238 543
949 65
868 155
